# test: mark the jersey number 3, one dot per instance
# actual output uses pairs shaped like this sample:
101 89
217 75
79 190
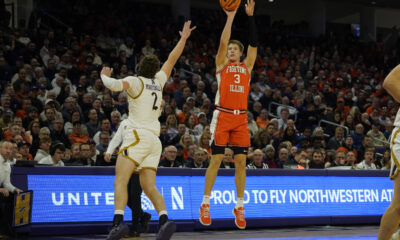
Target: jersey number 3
155 101
237 78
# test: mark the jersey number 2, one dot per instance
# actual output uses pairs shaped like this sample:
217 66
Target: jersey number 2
155 100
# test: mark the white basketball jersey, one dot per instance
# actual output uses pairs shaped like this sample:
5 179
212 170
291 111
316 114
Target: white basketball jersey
144 97
397 120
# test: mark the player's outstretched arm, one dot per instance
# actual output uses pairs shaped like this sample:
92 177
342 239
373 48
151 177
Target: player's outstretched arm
392 83
252 49
177 51
221 59
111 83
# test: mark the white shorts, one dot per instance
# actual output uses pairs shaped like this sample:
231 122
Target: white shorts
395 152
141 147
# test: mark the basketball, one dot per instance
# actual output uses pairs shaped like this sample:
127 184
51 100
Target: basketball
229 5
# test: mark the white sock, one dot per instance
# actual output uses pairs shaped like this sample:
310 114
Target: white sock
119 212
206 200
163 212
239 203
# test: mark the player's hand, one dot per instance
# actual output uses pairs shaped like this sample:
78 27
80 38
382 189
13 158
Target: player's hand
18 191
107 157
249 6
106 71
4 191
186 31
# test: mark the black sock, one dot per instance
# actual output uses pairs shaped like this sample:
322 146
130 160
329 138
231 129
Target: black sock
117 219
163 219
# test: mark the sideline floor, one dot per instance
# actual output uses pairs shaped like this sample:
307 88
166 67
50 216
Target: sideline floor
312 232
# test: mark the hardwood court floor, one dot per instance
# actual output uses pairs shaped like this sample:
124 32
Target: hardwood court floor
297 233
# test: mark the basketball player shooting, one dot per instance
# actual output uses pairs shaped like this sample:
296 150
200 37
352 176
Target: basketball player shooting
229 122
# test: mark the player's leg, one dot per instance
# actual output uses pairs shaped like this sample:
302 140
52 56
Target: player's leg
148 183
391 219
147 175
240 182
137 213
123 172
211 175
134 203
240 139
218 142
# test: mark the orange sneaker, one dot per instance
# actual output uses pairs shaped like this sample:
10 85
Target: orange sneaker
205 214
239 217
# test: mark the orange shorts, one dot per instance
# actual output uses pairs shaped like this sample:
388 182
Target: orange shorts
227 128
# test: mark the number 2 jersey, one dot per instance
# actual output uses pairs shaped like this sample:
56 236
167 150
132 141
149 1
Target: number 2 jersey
144 97
233 86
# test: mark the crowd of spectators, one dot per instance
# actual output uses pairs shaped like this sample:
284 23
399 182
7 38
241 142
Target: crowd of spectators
314 102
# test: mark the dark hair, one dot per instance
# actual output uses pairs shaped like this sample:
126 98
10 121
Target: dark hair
57 145
149 66
237 42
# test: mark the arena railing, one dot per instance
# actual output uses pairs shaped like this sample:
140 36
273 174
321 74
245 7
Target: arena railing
334 124
271 110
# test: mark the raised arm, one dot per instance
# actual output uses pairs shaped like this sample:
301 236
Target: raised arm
111 83
252 49
392 83
177 51
221 58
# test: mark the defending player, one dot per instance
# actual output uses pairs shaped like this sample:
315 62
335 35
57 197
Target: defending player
141 147
229 122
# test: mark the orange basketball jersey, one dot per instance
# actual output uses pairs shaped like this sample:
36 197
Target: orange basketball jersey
233 86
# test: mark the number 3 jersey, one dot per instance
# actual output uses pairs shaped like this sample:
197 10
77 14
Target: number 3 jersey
233 86
144 97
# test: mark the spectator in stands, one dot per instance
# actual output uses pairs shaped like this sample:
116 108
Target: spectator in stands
199 159
204 141
203 121
227 160
23 149
58 132
341 107
105 126
93 124
75 154
351 159
251 124
339 160
261 139
378 138
262 119
181 131
6 188
369 159
104 141
68 127
172 125
283 119
385 161
270 157
283 158
57 150
43 154
317 160
169 159
257 162
338 140
366 143
78 135
301 160
348 145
